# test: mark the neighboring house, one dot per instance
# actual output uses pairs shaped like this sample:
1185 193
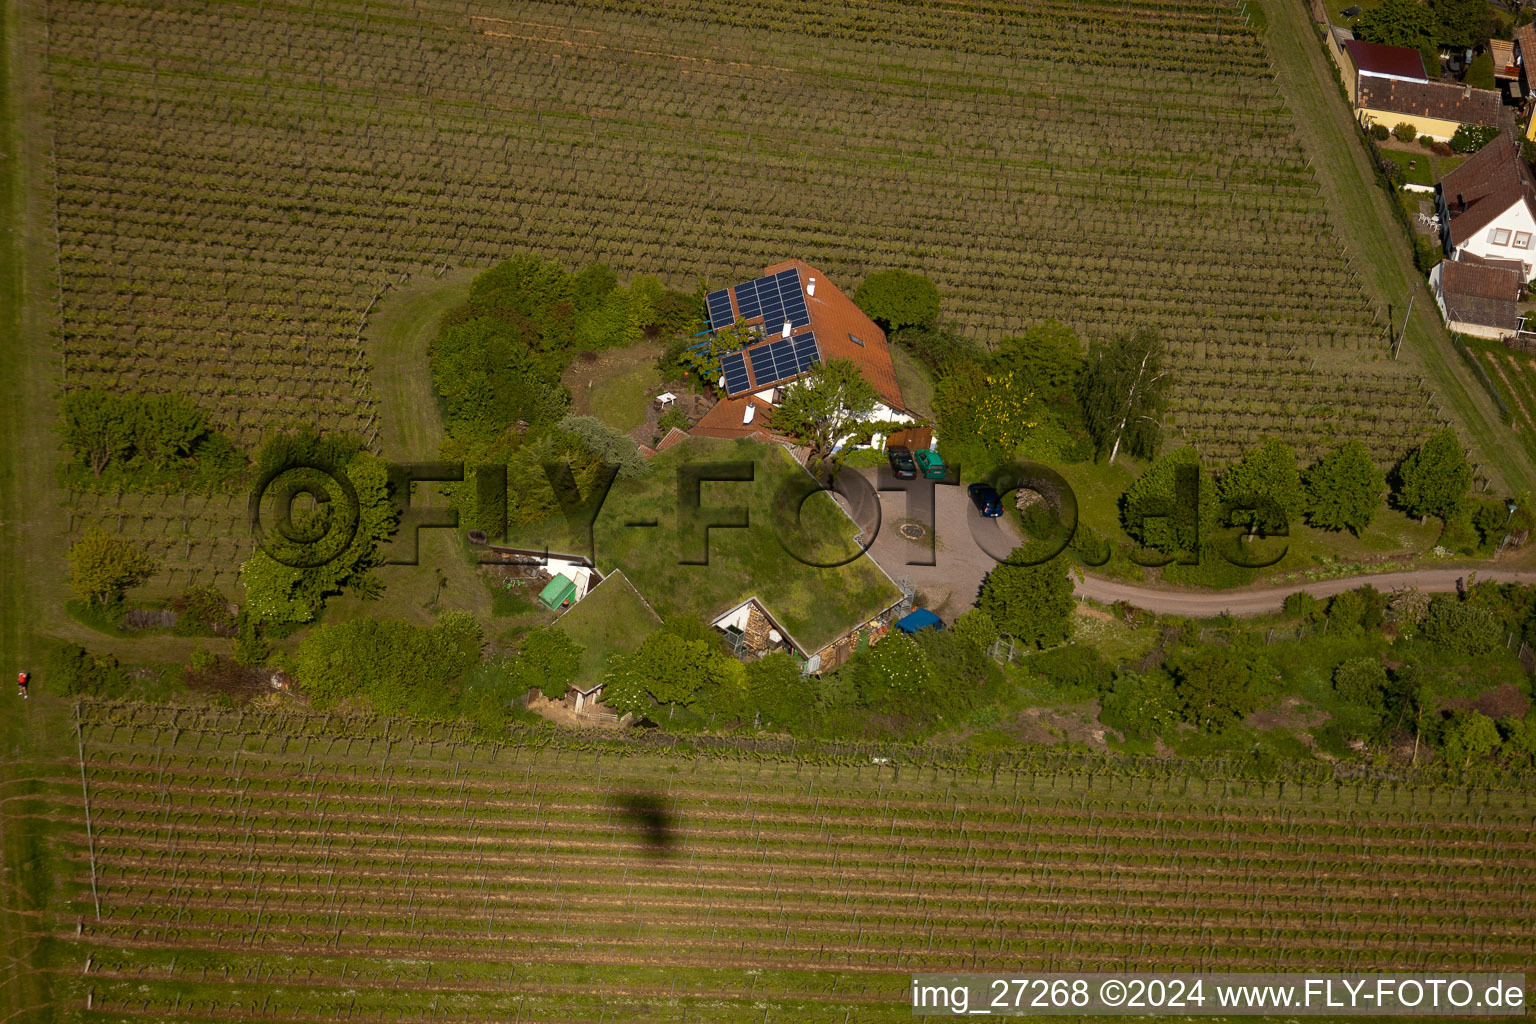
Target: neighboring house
752 632
1488 208
800 319
1525 49
1505 70
1435 109
1373 63
1477 298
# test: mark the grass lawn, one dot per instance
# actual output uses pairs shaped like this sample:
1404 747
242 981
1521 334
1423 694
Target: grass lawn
613 386
612 619
814 604
915 383
1514 374
398 336
1417 174
1336 10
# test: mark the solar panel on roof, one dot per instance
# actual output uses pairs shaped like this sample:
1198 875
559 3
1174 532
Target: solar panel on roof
776 299
762 365
720 314
807 354
746 299
734 366
783 359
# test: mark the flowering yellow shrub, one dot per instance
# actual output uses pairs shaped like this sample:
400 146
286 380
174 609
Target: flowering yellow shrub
1004 417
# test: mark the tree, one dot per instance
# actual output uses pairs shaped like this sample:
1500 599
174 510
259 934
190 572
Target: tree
1480 72
1342 490
664 669
99 426
1353 612
1048 359
102 567
1403 23
1123 390
1470 138
1213 687
1262 488
1433 479
285 584
823 407
895 299
781 696
169 428
1031 603
1460 24
892 676
549 659
608 444
976 627
1470 734
1455 625
1159 509
1362 683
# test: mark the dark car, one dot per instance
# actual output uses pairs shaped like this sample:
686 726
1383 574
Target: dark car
986 499
901 463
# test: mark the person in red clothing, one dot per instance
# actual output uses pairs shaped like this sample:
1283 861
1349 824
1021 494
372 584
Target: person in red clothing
21 684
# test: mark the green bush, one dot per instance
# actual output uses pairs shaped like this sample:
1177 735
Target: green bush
897 299
1304 605
1213 687
547 658
1362 683
1139 704
1454 625
1480 72
72 671
203 611
1380 132
1470 138
140 441
400 669
1405 132
1426 141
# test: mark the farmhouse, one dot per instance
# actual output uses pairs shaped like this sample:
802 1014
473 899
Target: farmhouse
1435 109
1477 298
1372 63
799 318
1488 208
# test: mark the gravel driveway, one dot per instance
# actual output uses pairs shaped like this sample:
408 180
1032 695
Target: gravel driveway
950 564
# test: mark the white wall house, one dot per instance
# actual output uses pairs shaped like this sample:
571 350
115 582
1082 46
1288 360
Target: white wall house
811 321
1488 209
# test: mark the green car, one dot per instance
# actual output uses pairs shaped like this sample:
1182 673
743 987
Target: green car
929 464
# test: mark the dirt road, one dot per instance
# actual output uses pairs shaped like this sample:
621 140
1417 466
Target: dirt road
1257 601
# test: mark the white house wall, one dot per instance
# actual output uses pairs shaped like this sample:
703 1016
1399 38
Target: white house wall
1515 220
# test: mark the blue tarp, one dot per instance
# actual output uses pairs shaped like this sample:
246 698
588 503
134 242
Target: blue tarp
920 618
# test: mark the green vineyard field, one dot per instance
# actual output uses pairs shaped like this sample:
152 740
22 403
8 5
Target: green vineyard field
237 185
289 867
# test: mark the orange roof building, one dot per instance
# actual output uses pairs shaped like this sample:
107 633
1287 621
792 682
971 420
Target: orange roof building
802 319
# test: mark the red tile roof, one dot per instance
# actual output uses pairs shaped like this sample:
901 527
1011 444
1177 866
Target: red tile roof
837 321
1445 101
727 418
1525 44
1493 180
1378 59
1475 294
